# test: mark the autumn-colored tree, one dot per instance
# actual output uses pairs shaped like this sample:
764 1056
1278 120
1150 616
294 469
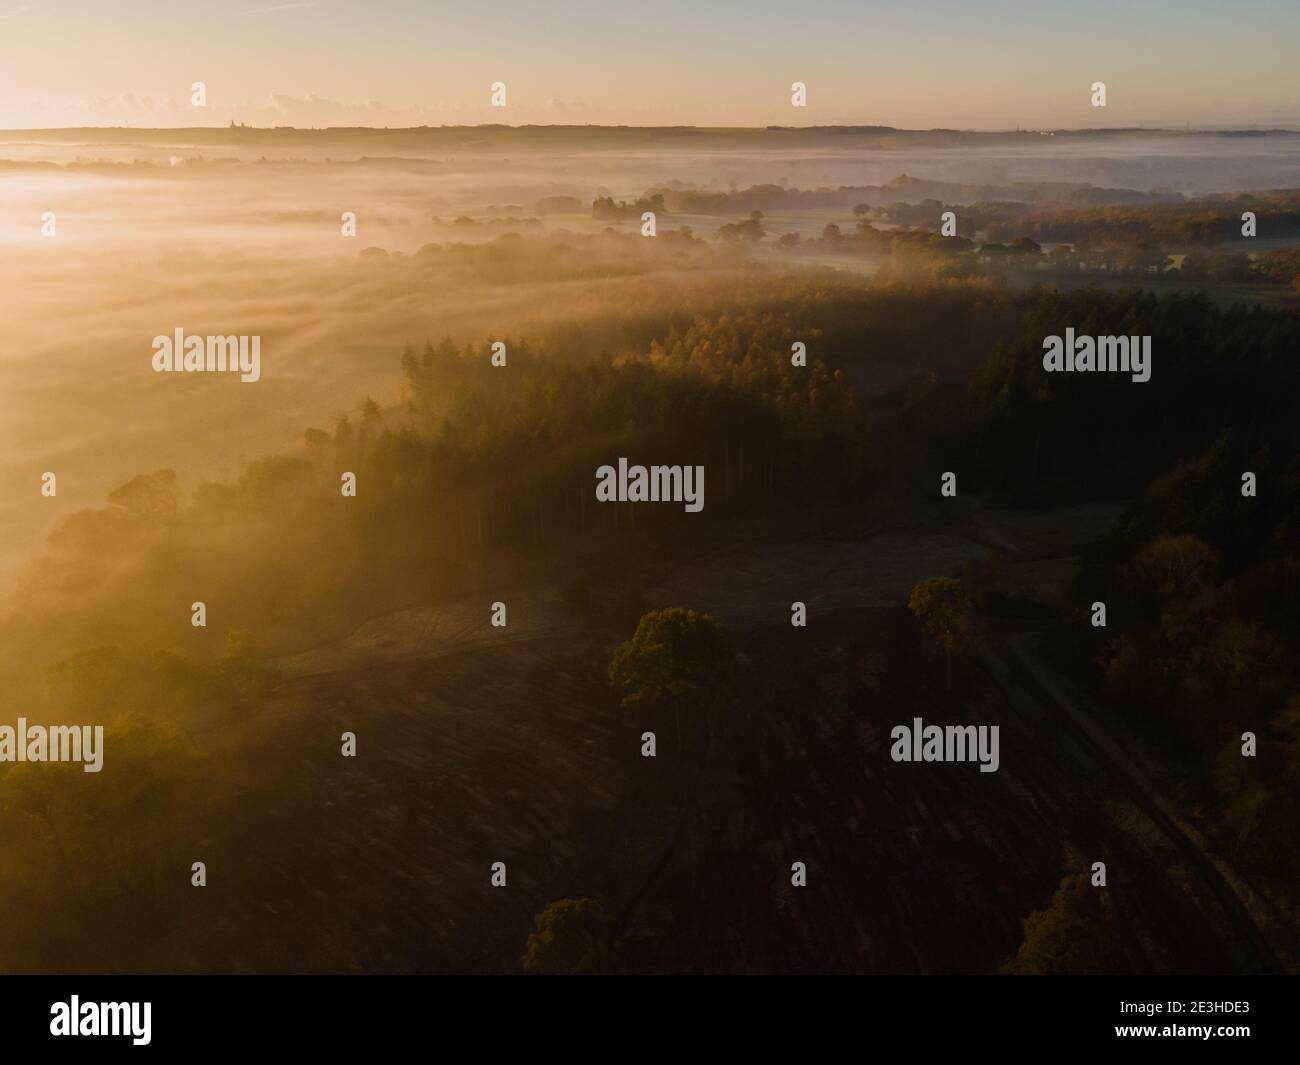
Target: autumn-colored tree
1077 933
1174 568
943 608
570 937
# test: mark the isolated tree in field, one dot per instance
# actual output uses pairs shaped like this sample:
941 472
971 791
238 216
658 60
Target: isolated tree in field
570 937
675 657
943 608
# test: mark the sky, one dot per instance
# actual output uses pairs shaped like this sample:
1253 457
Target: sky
997 64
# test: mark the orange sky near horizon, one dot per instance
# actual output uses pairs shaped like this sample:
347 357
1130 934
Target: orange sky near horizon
995 65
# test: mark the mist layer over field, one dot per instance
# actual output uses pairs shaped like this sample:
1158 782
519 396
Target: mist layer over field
368 613
238 232
256 249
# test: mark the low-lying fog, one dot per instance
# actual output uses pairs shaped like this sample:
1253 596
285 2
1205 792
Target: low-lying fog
243 240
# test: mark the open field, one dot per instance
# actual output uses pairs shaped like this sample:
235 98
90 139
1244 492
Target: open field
478 746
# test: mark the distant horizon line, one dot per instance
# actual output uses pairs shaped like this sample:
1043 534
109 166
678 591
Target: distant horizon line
600 126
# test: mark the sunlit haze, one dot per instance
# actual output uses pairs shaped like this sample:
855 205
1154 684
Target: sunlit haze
404 63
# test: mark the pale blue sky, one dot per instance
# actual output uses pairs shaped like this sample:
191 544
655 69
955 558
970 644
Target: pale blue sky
920 63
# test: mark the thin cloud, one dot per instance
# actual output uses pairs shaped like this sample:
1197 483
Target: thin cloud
16 11
282 7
